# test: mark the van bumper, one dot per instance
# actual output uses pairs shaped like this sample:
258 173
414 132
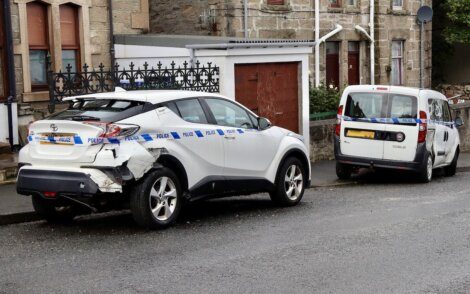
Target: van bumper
416 165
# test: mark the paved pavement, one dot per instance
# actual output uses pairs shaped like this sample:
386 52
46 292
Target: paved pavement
16 208
384 236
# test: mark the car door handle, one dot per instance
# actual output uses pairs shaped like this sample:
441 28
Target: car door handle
229 137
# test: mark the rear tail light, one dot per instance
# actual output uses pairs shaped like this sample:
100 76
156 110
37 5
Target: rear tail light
50 194
338 120
423 127
111 130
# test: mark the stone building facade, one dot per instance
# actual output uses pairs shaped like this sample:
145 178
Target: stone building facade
78 32
62 32
395 26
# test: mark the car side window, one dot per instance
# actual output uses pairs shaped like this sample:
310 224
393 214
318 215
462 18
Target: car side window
447 115
229 114
191 111
435 110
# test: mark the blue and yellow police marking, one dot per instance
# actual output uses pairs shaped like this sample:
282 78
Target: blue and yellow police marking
394 120
77 140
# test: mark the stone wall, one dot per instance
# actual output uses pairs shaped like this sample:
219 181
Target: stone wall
462 110
295 20
321 140
456 90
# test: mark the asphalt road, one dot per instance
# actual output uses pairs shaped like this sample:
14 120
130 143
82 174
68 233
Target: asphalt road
378 237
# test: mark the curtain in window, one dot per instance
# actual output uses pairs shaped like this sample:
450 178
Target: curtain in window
397 62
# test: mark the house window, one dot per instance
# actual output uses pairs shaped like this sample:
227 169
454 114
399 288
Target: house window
397 63
275 2
397 4
70 40
351 2
335 3
38 44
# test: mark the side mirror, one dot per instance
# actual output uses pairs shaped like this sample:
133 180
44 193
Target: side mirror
458 122
263 123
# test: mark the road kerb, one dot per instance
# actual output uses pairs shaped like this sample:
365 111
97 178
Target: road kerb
16 218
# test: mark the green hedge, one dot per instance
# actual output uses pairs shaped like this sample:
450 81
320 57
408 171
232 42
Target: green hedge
324 99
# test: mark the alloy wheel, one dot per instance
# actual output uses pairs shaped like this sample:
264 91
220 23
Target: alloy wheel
293 182
163 198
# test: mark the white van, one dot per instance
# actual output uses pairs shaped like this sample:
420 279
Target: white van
395 127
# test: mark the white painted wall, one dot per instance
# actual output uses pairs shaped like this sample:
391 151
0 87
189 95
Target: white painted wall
226 61
4 123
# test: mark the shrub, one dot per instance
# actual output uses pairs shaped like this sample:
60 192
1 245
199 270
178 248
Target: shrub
324 99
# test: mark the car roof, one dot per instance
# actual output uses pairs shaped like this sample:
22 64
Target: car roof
151 96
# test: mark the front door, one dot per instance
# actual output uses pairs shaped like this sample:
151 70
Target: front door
332 64
353 63
440 136
248 152
270 90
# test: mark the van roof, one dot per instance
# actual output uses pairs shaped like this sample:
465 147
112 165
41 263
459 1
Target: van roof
396 89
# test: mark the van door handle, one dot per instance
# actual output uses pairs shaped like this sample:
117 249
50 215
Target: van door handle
229 137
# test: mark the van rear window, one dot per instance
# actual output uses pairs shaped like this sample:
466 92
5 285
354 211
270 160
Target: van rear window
381 105
106 110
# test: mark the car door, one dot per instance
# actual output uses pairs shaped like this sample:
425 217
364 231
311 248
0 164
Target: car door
360 130
401 137
440 136
193 139
248 151
451 132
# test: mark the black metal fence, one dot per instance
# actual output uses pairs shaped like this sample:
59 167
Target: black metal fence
72 83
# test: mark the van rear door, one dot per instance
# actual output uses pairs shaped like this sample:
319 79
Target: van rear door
401 136
360 130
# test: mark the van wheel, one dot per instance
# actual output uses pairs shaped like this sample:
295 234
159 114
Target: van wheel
450 170
290 183
51 213
425 174
343 171
156 201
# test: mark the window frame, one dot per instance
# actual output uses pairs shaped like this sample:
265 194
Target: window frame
45 47
398 7
401 63
75 47
276 2
335 5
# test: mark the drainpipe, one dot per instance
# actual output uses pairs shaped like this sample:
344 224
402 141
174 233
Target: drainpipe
11 70
371 39
372 43
317 53
421 52
245 18
111 34
317 45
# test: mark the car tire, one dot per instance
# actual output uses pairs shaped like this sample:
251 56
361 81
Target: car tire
425 174
51 213
343 171
157 199
450 170
290 183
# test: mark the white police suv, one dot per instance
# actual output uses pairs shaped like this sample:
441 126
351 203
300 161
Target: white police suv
155 150
396 127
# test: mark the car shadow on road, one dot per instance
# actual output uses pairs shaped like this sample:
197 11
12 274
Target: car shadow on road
385 176
219 211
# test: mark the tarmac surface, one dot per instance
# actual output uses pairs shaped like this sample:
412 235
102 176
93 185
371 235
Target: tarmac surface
386 234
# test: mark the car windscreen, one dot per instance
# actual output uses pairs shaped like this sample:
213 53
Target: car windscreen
381 105
106 110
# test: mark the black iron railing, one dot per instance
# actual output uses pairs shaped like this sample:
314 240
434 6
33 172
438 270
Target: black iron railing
72 83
